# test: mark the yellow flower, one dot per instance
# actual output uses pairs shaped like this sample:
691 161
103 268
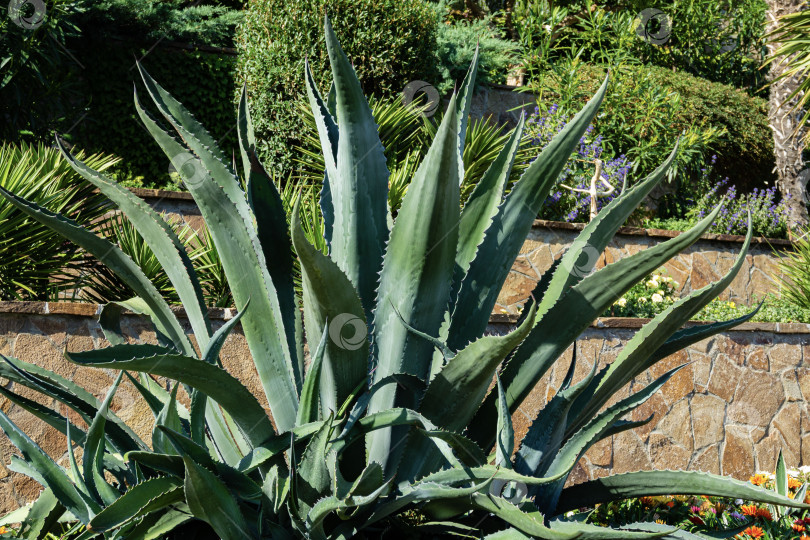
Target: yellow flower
657 298
642 300
732 305
621 302
758 479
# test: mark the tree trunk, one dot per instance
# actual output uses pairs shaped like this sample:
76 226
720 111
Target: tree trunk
791 174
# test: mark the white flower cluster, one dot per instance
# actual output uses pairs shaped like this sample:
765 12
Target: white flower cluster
659 287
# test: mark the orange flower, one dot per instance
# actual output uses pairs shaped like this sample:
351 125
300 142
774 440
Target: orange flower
758 479
749 510
754 532
798 526
670 504
764 513
3 529
793 483
804 537
647 501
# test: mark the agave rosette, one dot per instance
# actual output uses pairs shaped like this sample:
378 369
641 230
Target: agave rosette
399 427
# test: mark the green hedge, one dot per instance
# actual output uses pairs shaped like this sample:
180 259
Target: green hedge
639 112
203 81
745 155
390 43
153 20
37 78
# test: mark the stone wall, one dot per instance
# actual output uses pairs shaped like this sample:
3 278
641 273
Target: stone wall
38 332
744 395
502 104
705 261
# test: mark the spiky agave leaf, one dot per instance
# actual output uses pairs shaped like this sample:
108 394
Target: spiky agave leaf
423 281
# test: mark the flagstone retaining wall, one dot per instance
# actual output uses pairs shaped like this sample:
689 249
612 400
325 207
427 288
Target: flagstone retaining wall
744 395
705 261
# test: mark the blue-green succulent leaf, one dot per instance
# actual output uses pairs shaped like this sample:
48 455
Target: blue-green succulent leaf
359 187
331 304
415 280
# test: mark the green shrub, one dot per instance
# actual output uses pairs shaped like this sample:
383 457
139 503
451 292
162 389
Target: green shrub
795 266
745 153
721 41
153 20
389 42
113 33
35 262
648 108
46 77
455 46
392 419
718 40
38 79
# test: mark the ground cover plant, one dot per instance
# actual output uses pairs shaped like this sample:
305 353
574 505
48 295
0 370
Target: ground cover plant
391 425
642 302
657 293
703 514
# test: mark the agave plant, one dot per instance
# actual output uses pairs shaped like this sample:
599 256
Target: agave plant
406 135
392 422
103 285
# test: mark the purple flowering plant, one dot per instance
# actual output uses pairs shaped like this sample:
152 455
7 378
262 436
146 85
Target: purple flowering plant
769 215
562 203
